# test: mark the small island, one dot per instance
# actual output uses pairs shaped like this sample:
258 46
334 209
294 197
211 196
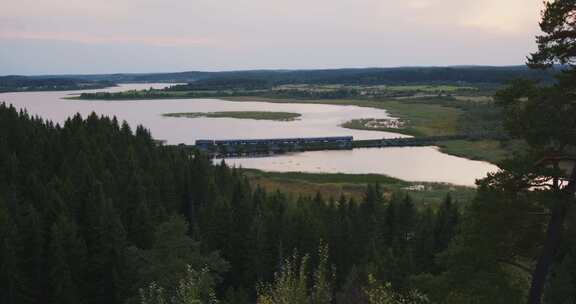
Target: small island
373 124
257 115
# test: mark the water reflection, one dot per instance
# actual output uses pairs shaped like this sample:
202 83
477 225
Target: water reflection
411 164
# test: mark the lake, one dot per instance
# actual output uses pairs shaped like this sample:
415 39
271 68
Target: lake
411 164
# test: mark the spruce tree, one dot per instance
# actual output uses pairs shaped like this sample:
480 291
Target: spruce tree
10 273
63 286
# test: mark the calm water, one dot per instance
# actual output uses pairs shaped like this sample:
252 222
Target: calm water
409 163
316 120
413 164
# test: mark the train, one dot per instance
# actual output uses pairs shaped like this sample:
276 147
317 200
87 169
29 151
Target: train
341 141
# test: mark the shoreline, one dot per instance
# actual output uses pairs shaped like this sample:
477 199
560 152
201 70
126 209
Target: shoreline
353 185
422 119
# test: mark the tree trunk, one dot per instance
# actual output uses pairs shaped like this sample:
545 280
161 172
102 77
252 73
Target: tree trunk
547 256
551 244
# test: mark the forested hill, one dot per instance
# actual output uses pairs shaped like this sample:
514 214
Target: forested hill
463 74
92 213
23 83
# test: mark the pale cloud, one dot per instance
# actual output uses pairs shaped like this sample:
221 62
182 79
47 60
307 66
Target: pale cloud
420 4
510 16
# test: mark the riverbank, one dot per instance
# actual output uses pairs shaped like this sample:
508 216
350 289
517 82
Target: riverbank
354 185
489 150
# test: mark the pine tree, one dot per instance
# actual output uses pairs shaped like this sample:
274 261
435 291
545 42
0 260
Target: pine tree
63 286
30 249
424 243
106 242
173 251
10 274
289 285
322 289
446 224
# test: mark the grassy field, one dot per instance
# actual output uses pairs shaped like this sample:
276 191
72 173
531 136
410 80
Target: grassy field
421 119
409 88
474 98
353 185
487 150
258 115
428 88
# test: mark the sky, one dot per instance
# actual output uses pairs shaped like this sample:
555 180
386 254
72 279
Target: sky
112 36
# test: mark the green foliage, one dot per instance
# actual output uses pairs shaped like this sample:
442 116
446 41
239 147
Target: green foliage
290 285
323 279
196 287
173 253
543 116
153 294
384 294
556 45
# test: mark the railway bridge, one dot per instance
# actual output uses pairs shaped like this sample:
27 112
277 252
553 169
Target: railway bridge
249 147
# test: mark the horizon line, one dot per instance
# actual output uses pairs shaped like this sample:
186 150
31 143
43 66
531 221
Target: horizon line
270 69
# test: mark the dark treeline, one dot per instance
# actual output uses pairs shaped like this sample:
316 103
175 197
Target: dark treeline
223 84
361 76
164 93
257 87
91 212
366 76
242 88
22 83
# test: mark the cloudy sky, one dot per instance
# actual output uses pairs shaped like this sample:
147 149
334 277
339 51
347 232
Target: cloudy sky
105 36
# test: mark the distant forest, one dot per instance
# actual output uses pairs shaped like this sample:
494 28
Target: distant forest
23 83
363 76
371 76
